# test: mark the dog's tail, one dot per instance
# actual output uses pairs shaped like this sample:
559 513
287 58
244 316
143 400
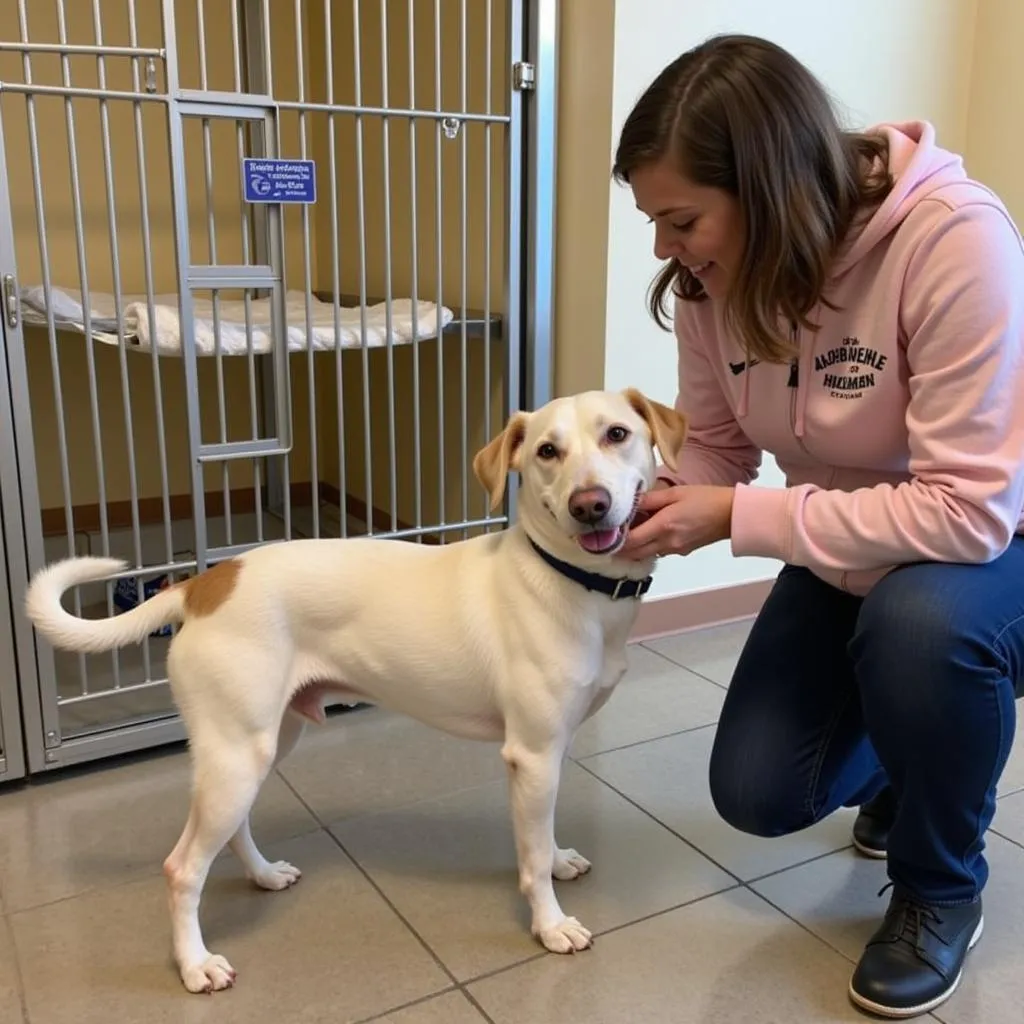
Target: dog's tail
43 607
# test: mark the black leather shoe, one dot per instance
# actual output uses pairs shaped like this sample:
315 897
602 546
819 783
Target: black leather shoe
915 959
872 825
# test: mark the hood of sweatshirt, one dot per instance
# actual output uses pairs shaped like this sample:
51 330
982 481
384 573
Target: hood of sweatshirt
919 168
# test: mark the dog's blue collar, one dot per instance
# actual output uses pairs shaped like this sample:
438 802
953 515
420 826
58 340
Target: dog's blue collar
614 588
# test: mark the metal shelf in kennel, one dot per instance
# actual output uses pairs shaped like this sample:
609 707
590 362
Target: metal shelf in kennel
271 269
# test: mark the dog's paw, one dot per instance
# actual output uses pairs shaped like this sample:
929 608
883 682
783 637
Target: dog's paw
569 865
277 876
213 975
568 936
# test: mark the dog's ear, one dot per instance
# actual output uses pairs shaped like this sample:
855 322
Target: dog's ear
667 425
492 463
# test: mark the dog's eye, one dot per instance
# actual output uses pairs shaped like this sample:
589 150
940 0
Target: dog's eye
547 451
617 434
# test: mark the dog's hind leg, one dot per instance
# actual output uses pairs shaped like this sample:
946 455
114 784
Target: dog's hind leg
227 773
267 875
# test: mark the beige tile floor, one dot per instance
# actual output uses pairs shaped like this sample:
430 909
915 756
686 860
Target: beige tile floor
408 912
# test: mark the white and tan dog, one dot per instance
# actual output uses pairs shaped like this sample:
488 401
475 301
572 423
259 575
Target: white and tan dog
514 637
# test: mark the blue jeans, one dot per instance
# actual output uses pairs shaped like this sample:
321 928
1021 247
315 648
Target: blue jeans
913 686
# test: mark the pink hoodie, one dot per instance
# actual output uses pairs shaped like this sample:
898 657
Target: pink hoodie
900 429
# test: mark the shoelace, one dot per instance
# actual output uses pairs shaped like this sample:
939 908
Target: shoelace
913 917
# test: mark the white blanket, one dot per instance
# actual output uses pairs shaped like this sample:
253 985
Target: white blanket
231 317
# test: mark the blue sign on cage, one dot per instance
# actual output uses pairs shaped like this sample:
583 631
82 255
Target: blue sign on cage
278 181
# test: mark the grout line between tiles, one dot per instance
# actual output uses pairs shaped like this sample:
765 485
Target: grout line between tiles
149 874
81 893
799 923
658 820
799 864
476 1003
640 743
505 968
740 883
407 1006
380 892
390 808
669 910
686 904
707 679
687 668
1009 839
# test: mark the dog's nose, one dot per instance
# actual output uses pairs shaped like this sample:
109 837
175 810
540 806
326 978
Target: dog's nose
589 504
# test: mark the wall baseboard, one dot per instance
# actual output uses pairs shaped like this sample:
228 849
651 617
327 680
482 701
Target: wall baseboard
87 518
716 607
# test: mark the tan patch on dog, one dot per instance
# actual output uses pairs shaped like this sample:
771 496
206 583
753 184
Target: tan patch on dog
205 593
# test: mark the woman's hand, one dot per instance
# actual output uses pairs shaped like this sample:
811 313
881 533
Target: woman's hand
678 520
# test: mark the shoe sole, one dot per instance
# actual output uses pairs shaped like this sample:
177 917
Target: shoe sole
870 851
902 1013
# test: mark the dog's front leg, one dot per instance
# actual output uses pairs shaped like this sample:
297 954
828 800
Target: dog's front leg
533 782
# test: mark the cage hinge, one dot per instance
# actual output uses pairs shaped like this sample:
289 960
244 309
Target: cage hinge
524 76
11 306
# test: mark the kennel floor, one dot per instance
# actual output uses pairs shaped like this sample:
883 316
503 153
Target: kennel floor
408 910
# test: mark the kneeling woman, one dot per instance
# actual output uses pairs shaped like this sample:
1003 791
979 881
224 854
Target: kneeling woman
853 304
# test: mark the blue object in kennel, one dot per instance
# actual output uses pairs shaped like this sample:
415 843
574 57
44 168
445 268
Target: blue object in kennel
126 595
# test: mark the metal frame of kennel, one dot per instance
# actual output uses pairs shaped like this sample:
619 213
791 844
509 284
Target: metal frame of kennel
12 756
33 734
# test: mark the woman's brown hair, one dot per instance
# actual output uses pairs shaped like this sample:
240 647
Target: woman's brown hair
741 114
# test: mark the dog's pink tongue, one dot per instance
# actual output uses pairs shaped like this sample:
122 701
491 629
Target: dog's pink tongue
597 540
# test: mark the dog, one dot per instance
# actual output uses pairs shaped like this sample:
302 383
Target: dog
514 637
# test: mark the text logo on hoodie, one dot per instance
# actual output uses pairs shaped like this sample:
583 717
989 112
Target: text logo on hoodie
849 369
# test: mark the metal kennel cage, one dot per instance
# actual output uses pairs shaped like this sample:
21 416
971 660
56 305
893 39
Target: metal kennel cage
270 269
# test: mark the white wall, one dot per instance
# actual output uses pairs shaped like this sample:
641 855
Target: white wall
883 60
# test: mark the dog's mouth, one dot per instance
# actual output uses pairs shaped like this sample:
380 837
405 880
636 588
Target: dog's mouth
603 542
609 540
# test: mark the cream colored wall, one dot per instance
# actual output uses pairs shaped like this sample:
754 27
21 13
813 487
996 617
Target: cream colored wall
581 246
995 130
882 59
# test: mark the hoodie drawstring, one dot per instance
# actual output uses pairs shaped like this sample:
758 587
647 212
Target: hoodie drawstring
805 366
800 373
803 371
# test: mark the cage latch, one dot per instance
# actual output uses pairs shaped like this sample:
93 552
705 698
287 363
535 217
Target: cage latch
11 308
524 76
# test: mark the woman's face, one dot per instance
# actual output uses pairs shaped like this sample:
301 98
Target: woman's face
700 227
